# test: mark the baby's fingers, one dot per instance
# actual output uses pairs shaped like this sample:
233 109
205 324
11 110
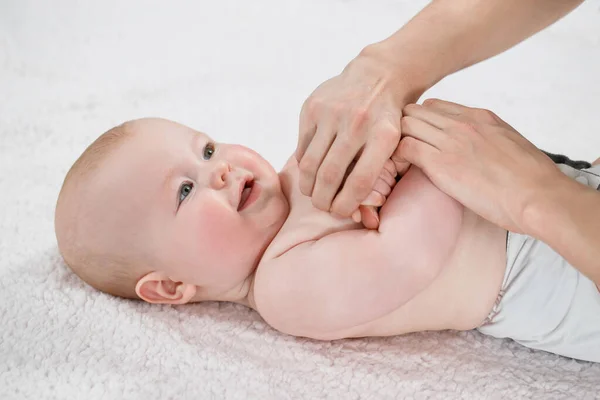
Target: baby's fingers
390 167
374 199
387 177
383 187
368 215
356 215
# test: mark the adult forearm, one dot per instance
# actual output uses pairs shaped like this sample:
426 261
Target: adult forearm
567 218
449 35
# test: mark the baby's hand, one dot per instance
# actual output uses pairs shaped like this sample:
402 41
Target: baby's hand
367 212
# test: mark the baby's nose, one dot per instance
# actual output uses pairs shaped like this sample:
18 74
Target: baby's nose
220 174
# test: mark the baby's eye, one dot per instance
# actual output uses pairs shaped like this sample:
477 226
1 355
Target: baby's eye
185 190
209 149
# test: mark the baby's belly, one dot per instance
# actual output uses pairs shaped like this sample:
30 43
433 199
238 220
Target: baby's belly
462 295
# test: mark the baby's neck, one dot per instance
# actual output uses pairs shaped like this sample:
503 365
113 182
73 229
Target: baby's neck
244 295
248 299
241 294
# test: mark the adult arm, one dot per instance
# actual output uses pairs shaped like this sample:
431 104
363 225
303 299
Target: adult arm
566 216
356 115
449 35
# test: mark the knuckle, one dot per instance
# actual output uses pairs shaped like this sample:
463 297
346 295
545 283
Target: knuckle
345 146
406 146
329 174
406 122
337 109
312 106
355 135
305 187
465 126
357 120
484 115
403 146
307 164
430 102
320 203
362 185
388 133
317 201
342 210
410 107
360 115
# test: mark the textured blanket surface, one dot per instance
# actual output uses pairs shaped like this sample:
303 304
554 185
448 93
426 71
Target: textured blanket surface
70 70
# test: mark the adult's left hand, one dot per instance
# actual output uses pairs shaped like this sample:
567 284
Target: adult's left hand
478 159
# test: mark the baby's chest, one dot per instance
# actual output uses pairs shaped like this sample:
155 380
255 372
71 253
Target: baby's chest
305 222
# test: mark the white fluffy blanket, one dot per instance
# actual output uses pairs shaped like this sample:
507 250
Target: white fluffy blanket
239 70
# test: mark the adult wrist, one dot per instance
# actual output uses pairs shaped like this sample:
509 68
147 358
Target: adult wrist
408 80
550 208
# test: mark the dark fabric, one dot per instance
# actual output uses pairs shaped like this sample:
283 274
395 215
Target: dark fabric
562 159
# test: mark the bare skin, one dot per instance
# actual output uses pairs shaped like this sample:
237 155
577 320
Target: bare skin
327 278
356 115
306 271
516 186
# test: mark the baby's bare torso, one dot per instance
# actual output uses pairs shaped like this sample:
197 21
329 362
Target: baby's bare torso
460 297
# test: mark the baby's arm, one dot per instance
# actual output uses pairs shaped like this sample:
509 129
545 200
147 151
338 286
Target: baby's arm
326 288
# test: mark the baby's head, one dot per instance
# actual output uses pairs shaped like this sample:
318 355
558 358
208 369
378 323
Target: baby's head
155 210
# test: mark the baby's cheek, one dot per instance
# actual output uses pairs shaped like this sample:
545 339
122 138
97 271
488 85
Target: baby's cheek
217 231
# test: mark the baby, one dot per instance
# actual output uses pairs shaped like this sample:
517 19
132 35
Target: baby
156 211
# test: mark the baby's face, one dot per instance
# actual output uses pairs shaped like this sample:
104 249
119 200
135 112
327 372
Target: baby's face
203 212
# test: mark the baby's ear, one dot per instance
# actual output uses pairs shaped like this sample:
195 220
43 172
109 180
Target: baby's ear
156 287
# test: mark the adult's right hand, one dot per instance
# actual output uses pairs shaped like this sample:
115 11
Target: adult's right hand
354 116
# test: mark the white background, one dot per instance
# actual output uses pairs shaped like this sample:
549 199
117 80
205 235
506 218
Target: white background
240 71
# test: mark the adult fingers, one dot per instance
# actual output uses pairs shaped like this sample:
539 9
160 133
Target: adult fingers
480 115
313 157
432 116
414 151
307 128
383 139
332 171
423 130
444 106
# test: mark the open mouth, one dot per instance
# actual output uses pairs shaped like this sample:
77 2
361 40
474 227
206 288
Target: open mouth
245 195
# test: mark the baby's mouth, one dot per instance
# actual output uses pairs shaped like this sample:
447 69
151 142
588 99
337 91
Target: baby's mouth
245 194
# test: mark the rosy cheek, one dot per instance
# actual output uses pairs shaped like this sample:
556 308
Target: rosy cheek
215 230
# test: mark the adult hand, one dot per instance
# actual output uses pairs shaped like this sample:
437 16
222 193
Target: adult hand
477 158
354 116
